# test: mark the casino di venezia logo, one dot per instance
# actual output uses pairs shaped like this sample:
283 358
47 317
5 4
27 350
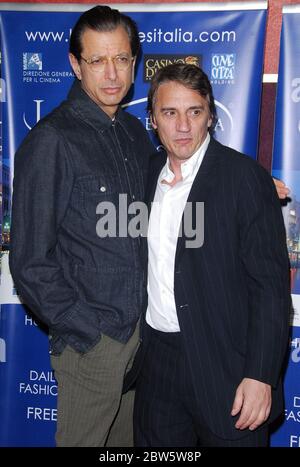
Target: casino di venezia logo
153 63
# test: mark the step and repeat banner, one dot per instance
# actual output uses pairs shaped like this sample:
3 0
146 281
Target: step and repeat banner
227 41
286 165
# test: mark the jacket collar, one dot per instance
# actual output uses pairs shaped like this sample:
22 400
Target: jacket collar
204 183
201 181
91 113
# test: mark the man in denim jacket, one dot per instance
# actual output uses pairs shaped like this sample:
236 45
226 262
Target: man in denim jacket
89 289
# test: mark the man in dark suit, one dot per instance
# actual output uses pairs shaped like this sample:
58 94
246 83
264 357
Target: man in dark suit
216 327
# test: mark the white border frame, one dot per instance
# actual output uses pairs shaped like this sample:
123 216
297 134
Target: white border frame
270 78
291 9
138 7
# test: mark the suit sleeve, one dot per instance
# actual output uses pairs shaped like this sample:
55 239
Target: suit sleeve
264 255
43 183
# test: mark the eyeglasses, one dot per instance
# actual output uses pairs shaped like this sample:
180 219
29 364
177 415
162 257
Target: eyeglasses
121 62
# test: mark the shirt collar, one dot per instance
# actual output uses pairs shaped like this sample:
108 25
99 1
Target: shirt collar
188 168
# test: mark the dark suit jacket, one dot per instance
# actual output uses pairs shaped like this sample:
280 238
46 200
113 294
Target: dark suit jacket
232 294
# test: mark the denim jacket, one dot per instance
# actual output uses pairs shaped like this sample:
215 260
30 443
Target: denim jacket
77 283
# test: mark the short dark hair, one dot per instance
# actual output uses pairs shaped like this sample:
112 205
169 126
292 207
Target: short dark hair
190 76
103 19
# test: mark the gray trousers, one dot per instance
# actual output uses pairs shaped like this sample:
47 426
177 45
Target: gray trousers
91 410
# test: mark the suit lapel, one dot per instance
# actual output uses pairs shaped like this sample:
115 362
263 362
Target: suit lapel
156 164
201 187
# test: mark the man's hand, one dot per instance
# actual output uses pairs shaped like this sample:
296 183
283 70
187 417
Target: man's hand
253 401
282 189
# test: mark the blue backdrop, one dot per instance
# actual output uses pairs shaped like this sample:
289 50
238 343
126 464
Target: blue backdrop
36 77
286 165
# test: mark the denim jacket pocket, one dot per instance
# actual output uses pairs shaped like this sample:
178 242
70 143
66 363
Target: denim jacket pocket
99 189
106 291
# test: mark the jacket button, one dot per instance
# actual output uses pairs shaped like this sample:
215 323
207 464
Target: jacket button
103 189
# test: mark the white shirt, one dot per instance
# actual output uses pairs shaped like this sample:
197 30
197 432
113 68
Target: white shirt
164 223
